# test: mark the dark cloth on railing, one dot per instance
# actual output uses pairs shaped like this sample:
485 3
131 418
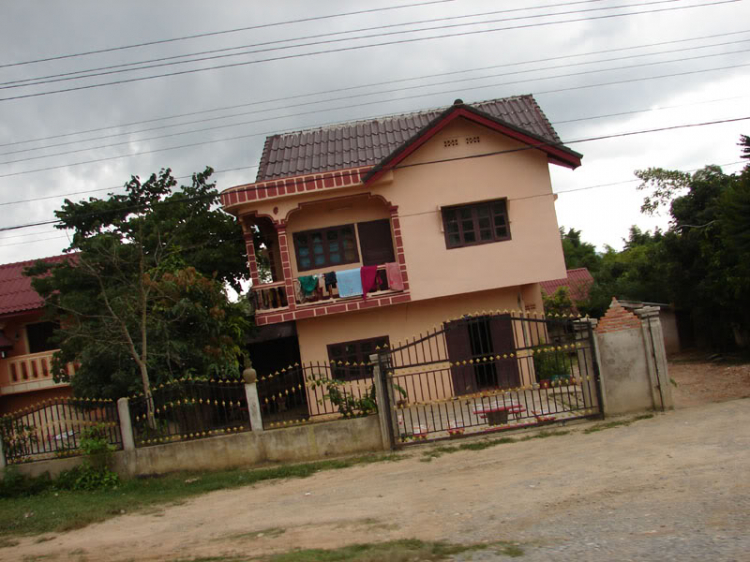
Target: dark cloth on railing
330 278
368 274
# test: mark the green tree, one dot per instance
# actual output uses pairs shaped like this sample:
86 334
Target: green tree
558 302
705 252
142 299
578 253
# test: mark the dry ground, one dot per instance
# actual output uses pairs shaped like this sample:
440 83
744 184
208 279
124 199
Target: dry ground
674 487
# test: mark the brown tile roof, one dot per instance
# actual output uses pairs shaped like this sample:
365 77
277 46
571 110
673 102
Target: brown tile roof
367 143
16 294
579 282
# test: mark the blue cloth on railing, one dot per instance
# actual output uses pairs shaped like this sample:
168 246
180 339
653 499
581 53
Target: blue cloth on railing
349 282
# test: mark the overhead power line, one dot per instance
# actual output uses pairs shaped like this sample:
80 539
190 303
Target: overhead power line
445 160
222 32
339 90
432 211
216 172
355 96
360 47
128 67
458 90
365 94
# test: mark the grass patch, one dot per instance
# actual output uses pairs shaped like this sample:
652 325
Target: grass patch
406 550
617 423
57 511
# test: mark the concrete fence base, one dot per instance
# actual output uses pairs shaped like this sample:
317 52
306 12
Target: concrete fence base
302 443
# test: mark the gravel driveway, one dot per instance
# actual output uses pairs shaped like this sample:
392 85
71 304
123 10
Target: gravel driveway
674 487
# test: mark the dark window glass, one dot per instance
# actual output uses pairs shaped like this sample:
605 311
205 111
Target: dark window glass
478 223
355 353
325 247
39 336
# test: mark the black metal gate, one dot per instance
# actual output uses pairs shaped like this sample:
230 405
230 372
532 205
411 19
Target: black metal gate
491 372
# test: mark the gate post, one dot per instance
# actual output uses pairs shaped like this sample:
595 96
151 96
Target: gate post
126 425
588 363
656 356
384 394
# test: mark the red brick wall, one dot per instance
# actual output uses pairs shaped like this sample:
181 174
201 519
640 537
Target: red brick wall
617 318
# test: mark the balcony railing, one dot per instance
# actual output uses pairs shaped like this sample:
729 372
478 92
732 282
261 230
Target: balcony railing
270 296
31 368
330 294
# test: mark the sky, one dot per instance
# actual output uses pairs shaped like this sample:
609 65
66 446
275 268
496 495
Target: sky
598 68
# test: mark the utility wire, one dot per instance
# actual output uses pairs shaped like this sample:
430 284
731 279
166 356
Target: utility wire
338 90
579 119
431 211
440 161
359 47
240 137
356 96
222 32
338 108
128 66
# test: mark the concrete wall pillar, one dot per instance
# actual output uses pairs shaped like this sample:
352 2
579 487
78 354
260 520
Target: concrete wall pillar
588 359
656 356
385 398
126 426
253 406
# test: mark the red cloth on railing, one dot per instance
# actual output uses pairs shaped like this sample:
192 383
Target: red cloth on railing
368 274
395 281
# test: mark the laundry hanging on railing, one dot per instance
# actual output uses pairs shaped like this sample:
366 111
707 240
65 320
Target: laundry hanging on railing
395 280
368 275
349 282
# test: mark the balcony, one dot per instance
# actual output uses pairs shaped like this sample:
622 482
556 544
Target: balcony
273 302
31 372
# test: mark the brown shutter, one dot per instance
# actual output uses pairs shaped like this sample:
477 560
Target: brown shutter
503 343
376 242
458 342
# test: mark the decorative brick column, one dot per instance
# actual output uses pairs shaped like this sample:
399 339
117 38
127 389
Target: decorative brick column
399 241
286 265
252 262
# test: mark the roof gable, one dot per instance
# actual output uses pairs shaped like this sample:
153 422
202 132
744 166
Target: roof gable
555 151
367 143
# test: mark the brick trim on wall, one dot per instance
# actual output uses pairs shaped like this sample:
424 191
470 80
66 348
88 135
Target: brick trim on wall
289 186
324 309
617 319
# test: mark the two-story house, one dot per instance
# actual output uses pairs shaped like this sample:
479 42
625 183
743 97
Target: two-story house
378 230
25 350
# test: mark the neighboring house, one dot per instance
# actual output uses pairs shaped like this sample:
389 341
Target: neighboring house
25 351
578 281
458 201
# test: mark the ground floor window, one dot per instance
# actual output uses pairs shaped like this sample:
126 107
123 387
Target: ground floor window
357 354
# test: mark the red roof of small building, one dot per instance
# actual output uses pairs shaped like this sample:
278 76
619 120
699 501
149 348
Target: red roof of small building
578 282
16 294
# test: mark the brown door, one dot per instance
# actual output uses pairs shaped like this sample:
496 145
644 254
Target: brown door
458 342
503 343
376 242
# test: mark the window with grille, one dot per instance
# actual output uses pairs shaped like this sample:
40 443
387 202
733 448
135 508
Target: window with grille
478 223
355 353
325 247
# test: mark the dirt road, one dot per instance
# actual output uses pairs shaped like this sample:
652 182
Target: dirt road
674 487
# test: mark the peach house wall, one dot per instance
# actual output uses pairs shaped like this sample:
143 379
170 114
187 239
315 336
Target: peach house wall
405 321
420 190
